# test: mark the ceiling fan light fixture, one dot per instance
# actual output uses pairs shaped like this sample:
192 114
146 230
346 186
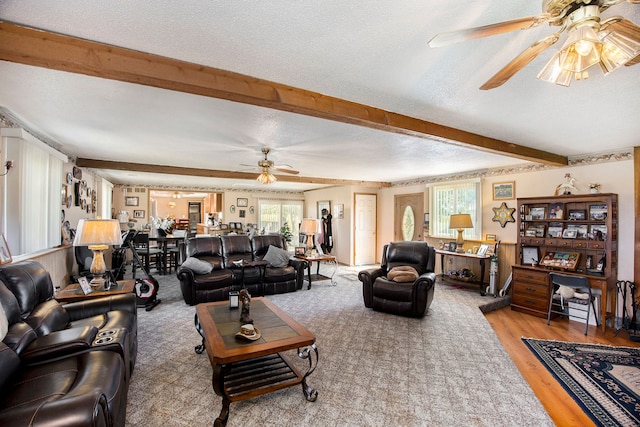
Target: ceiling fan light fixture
266 177
553 72
581 50
617 50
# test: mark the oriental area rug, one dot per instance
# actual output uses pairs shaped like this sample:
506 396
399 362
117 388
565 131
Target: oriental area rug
603 380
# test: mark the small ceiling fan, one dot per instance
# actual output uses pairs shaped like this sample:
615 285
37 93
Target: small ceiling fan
266 165
611 43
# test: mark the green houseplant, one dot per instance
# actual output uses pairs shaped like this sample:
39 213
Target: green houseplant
285 230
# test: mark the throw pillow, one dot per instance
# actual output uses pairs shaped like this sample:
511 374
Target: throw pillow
276 256
197 265
4 323
402 274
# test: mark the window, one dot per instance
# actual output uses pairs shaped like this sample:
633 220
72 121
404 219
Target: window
273 214
32 206
448 199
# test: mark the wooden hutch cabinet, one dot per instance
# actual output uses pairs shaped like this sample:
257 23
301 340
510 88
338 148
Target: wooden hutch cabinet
575 234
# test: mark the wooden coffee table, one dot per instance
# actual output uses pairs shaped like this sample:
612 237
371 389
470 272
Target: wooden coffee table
244 369
73 292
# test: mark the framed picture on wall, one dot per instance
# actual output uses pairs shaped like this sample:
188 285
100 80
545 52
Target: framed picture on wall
504 190
242 202
339 211
131 201
138 214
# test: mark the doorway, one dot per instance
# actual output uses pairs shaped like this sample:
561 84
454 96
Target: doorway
365 229
408 217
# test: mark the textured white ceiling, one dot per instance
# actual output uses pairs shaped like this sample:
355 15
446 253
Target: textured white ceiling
374 53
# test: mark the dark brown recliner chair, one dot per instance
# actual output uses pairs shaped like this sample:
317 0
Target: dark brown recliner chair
404 298
205 287
278 280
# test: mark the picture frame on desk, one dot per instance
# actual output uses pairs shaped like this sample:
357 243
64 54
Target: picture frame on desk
598 212
299 251
530 255
84 285
482 250
538 213
452 246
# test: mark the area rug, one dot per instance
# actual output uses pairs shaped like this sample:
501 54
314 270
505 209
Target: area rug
603 380
375 369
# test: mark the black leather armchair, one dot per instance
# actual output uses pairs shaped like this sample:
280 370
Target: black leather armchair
404 298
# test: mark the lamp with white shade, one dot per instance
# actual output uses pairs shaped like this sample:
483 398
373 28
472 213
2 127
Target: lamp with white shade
459 222
98 235
309 228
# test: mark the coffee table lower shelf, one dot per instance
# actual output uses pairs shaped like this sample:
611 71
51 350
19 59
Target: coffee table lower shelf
254 377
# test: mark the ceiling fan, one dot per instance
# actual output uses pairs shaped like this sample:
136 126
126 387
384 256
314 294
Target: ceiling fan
266 165
610 43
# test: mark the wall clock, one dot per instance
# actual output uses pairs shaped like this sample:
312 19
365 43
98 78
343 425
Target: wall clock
503 214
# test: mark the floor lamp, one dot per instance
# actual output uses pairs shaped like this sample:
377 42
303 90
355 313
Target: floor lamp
98 235
309 228
460 222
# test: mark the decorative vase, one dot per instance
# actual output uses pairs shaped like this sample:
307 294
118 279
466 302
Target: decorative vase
162 233
594 191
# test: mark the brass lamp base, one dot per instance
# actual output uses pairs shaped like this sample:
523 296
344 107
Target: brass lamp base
460 242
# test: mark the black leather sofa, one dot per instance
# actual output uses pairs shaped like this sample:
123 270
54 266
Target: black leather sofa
405 298
63 364
221 252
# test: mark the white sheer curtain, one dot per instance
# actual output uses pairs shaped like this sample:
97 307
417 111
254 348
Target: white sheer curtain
40 199
458 197
273 214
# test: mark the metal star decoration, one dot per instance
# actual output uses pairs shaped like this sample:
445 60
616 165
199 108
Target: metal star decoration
503 214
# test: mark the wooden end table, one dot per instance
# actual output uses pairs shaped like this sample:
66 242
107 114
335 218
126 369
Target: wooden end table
318 258
244 369
73 292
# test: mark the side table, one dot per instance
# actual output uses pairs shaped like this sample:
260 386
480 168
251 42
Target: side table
73 292
317 258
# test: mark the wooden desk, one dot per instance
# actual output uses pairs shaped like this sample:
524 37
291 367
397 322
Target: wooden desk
481 258
531 291
73 292
245 369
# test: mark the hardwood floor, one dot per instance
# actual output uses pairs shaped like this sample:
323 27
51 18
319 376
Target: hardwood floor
510 326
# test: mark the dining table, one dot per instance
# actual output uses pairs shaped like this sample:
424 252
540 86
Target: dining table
164 243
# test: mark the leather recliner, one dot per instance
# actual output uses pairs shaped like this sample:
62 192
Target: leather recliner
53 371
404 298
51 329
214 286
278 280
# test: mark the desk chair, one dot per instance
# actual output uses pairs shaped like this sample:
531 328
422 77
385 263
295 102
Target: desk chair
560 305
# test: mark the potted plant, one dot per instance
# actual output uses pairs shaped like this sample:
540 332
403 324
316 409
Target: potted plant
287 235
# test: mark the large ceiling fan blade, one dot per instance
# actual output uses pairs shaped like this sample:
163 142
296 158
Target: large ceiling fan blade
286 170
451 37
520 61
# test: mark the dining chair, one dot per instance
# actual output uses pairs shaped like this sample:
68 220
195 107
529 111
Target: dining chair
146 252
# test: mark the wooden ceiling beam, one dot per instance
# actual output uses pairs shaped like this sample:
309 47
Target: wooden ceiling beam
40 48
211 173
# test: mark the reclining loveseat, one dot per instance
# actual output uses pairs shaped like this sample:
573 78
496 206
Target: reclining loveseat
211 269
62 364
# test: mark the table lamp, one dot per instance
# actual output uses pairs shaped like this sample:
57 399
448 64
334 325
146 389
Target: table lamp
309 228
98 235
460 222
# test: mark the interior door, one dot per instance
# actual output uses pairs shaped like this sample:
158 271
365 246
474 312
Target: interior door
365 229
408 216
